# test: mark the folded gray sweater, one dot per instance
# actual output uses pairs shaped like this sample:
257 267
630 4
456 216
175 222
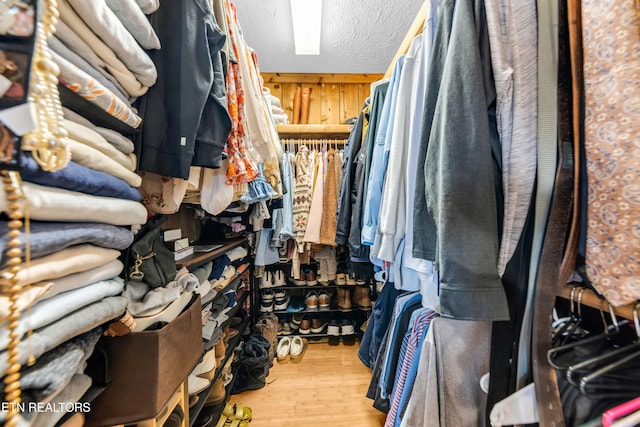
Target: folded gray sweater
48 237
79 322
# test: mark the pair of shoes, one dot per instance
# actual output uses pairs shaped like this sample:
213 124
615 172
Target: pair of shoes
296 320
309 276
305 326
278 278
284 328
311 301
333 331
281 300
267 280
237 412
199 378
348 331
272 279
344 299
324 301
318 324
266 306
361 298
291 349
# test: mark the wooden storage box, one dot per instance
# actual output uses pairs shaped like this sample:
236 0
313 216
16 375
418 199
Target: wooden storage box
146 368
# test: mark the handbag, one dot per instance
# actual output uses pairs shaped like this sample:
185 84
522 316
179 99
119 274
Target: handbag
151 261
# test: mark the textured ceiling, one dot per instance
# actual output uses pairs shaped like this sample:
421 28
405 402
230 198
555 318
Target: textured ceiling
357 36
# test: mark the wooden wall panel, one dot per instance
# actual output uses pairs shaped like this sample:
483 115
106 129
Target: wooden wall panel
288 92
349 102
334 97
363 93
330 108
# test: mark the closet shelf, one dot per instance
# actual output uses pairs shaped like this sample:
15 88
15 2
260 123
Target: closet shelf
202 396
330 310
199 258
318 287
216 411
315 131
239 303
591 299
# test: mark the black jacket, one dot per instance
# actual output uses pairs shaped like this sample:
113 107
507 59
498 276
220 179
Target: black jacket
185 118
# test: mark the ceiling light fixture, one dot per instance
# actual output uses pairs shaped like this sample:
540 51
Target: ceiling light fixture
306 16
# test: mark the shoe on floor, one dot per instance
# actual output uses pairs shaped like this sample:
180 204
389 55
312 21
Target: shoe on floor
282 352
298 348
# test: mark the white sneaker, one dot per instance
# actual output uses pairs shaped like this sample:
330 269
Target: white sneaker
298 347
283 349
197 384
207 364
267 278
279 278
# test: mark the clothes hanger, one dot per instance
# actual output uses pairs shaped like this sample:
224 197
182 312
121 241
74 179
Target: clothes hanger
589 388
567 331
609 331
611 415
628 421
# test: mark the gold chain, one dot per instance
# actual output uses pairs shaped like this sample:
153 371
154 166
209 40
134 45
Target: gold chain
9 286
48 141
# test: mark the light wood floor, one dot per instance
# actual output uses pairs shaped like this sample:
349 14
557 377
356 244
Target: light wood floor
326 389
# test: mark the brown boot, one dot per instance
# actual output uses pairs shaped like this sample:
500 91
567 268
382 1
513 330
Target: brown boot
218 393
361 298
344 299
220 351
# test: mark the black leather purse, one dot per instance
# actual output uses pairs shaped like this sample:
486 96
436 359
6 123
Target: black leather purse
151 261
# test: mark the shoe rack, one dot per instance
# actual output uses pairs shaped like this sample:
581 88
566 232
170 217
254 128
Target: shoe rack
199 410
331 317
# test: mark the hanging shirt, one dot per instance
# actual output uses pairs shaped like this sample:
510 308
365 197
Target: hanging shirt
379 160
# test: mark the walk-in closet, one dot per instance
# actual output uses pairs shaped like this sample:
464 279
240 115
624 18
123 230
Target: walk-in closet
235 213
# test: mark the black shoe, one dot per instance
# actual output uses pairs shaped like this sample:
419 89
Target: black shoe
333 331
